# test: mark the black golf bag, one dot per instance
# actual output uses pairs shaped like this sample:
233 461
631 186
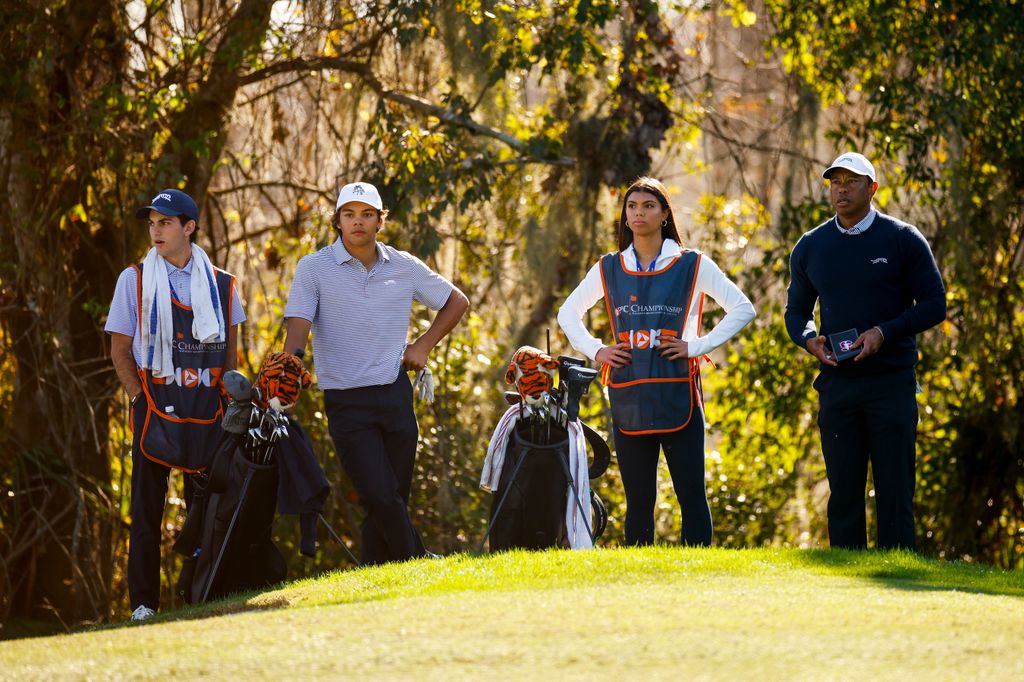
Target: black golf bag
528 509
529 505
534 489
262 456
227 537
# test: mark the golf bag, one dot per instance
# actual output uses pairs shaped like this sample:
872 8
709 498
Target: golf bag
227 536
537 459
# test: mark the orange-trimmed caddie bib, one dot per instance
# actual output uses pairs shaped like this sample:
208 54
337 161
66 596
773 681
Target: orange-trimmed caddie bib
650 394
181 424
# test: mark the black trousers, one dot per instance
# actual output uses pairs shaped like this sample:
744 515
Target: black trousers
149 494
869 419
638 464
375 433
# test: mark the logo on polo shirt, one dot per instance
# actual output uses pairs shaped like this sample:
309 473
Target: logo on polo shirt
876 261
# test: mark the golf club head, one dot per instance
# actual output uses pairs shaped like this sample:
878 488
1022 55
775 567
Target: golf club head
581 375
578 380
564 363
238 386
236 417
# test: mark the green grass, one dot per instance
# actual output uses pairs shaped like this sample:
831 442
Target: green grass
662 613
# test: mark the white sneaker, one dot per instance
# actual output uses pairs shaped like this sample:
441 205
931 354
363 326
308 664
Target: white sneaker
143 613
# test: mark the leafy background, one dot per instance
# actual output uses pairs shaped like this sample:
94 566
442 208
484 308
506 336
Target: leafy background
501 135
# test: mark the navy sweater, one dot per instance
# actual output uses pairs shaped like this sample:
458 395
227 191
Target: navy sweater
885 276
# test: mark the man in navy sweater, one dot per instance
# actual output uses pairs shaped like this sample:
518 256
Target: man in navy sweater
875 278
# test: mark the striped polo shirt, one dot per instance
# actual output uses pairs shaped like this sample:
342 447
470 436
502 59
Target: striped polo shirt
123 317
361 319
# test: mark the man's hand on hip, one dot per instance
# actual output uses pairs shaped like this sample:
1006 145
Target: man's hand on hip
416 355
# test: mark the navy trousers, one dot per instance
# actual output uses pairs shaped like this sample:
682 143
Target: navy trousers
869 419
149 494
375 434
638 464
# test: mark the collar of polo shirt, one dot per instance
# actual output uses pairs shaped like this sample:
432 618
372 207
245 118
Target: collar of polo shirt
341 254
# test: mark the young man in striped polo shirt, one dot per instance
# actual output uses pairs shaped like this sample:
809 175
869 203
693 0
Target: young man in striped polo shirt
356 297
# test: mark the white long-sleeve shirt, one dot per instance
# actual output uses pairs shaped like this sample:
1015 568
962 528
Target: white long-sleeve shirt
710 280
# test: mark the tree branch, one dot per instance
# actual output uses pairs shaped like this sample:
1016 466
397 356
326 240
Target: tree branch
363 71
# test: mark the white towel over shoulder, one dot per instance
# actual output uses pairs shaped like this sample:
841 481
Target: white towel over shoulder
157 322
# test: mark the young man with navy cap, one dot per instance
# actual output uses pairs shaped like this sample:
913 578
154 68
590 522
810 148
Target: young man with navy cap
173 329
356 297
877 286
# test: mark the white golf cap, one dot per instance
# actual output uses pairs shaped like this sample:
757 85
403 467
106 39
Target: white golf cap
853 162
360 191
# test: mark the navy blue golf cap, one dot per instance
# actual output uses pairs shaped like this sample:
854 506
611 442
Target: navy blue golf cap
171 202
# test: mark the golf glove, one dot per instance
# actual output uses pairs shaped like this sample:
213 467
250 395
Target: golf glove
423 387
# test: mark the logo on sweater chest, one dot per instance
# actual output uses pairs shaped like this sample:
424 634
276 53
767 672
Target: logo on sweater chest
877 261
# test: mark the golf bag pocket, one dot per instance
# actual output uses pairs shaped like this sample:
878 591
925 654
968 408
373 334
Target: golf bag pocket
236 551
177 443
532 493
648 406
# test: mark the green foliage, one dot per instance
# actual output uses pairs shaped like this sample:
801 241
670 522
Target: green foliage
495 131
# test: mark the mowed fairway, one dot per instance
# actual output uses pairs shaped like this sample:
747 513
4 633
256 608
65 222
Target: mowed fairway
658 613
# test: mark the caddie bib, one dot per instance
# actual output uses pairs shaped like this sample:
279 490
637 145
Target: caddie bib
181 422
650 394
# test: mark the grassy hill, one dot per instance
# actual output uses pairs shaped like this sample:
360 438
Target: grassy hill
656 613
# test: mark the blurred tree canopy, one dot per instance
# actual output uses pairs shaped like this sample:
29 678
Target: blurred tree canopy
500 134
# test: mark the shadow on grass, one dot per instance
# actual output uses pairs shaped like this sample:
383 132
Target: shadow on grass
903 570
231 605
247 602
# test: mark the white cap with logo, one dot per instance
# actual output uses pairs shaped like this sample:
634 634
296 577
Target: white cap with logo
853 162
360 191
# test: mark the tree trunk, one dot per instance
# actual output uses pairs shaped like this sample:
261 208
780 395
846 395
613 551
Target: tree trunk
66 237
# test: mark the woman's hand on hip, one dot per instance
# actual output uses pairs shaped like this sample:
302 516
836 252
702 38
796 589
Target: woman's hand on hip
673 348
614 356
